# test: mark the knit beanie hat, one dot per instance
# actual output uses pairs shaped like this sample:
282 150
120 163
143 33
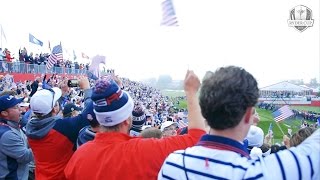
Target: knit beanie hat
255 136
111 104
138 118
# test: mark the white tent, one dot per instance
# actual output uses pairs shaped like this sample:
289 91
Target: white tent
286 87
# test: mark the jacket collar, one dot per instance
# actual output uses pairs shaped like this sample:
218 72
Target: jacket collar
9 123
223 143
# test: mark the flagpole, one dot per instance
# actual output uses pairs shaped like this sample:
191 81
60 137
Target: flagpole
280 128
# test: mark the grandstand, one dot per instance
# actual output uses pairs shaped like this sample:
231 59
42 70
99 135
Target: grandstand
287 93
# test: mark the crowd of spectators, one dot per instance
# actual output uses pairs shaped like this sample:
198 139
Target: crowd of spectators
36 63
117 128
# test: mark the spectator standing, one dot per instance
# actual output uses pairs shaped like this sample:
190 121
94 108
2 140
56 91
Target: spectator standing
126 157
227 100
14 151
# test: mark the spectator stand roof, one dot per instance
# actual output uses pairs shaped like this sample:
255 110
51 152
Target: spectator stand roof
286 86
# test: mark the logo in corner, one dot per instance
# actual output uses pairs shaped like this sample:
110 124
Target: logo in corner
300 18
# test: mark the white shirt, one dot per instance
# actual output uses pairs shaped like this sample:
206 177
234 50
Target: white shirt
221 158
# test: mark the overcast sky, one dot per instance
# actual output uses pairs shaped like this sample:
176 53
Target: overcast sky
251 34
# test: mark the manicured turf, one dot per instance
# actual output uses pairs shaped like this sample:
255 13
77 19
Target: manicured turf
173 93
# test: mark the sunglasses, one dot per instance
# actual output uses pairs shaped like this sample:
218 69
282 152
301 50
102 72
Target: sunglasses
53 93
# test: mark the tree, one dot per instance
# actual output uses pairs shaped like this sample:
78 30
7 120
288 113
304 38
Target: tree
313 82
150 81
164 81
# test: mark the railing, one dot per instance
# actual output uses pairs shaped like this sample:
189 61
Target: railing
17 67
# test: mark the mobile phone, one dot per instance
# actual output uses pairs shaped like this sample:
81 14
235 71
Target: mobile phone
73 83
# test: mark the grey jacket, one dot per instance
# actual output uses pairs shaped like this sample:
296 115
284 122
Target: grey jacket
14 151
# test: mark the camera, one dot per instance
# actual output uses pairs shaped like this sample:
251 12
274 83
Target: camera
73 83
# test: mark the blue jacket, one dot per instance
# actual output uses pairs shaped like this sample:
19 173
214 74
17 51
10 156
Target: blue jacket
14 152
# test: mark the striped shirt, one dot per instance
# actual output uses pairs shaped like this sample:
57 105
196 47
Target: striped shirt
218 157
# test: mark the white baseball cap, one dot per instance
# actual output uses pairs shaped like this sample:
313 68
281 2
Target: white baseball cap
167 124
43 101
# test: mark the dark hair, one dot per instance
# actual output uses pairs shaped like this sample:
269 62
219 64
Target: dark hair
276 148
225 96
94 123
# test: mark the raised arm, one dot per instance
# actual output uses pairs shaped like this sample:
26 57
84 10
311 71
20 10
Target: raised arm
191 87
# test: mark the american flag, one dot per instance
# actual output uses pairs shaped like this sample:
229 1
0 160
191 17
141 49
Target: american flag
282 113
84 55
56 55
168 14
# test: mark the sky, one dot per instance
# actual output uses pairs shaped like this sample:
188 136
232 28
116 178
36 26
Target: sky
251 34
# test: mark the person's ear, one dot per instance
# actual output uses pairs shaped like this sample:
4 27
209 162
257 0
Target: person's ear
127 122
248 114
4 113
56 108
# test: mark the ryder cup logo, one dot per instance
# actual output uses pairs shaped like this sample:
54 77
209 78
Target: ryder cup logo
300 18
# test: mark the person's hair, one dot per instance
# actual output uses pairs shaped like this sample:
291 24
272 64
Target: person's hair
225 96
300 136
276 148
8 92
265 147
151 133
94 123
41 116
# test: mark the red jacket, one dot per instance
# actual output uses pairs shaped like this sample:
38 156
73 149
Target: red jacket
8 57
119 156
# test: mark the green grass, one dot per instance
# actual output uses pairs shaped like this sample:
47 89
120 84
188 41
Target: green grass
182 104
173 93
306 108
265 120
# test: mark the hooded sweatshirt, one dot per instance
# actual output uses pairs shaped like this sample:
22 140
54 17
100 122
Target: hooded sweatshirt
53 141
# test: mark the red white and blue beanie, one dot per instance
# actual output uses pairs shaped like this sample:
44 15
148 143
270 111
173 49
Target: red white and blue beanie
111 104
138 118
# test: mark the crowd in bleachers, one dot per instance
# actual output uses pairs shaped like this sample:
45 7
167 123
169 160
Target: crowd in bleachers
116 128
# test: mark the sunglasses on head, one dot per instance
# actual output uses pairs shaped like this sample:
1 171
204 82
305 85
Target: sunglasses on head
53 93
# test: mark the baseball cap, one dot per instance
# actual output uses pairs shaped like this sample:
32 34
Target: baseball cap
43 101
69 108
167 124
8 101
